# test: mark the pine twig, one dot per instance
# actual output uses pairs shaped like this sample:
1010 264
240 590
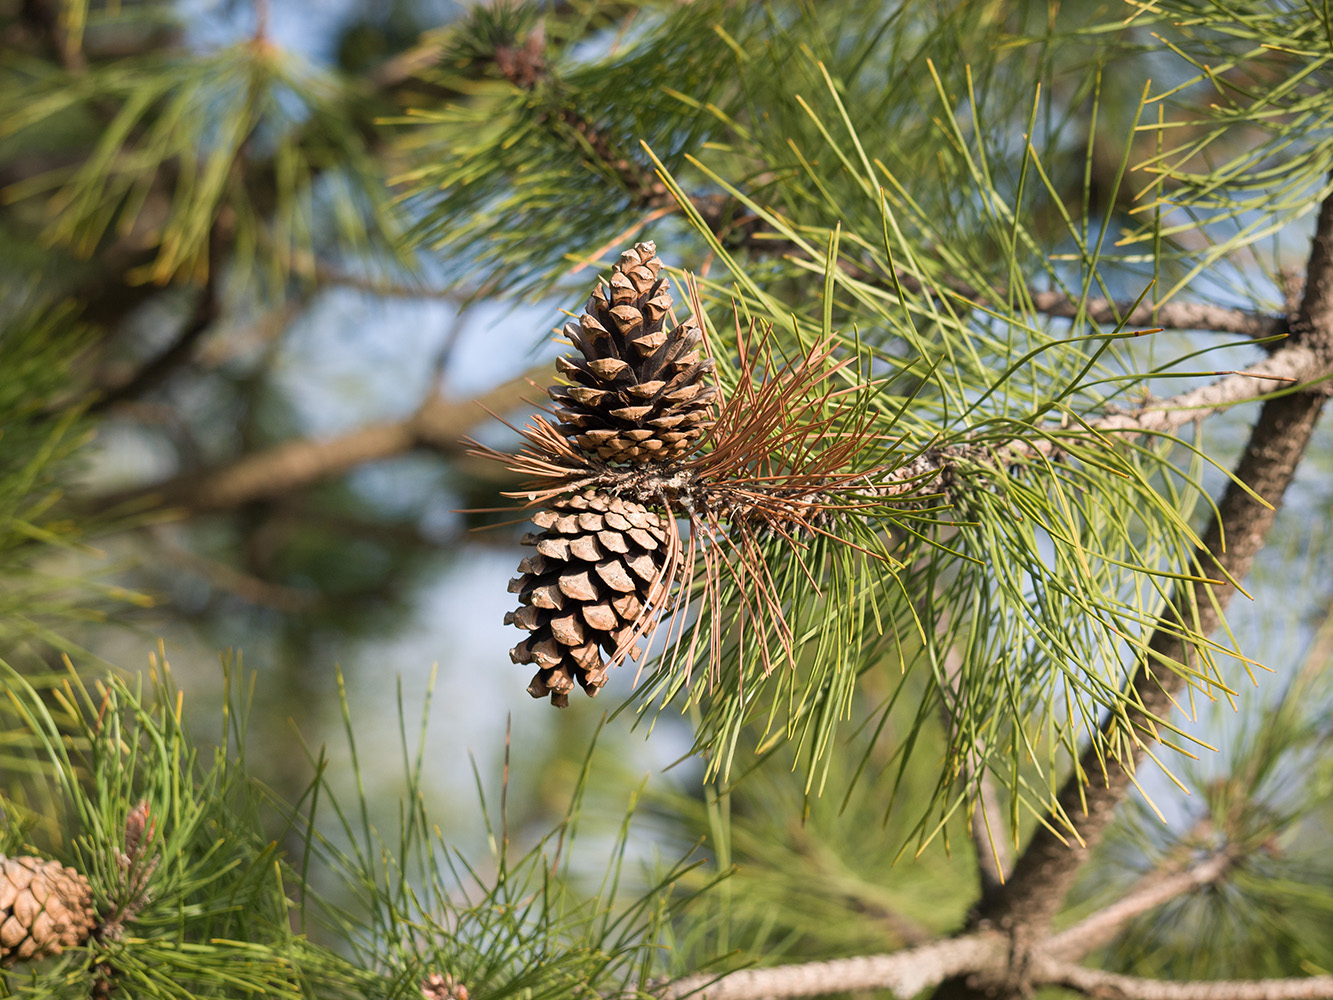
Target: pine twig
1112 986
1166 316
904 973
524 65
1299 363
1153 890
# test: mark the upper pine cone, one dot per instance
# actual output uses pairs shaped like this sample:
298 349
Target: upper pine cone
638 394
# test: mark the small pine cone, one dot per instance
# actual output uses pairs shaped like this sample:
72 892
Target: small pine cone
638 394
438 986
598 570
44 909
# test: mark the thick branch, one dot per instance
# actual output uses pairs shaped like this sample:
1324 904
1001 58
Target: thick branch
903 973
1110 986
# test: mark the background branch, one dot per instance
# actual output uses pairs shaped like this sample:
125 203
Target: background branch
294 465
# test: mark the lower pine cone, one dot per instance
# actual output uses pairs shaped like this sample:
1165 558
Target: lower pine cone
598 577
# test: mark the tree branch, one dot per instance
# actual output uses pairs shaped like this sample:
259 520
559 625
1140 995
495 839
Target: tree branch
720 214
1154 890
1167 315
904 973
1277 444
179 351
1111 986
440 423
1298 363
296 465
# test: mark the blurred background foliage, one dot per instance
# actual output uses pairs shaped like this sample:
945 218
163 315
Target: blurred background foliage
258 259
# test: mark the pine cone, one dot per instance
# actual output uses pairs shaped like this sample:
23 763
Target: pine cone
44 909
638 395
438 986
597 571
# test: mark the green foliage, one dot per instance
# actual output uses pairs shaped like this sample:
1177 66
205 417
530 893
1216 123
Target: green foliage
810 876
216 921
901 183
41 428
1244 148
1263 800
926 174
1052 549
521 926
516 177
226 913
247 145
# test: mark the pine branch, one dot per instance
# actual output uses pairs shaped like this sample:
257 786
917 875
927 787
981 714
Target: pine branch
1048 865
1151 892
904 973
1166 316
1112 986
724 217
1299 363
524 65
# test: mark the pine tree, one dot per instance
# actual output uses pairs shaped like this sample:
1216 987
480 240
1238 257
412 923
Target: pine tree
935 378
